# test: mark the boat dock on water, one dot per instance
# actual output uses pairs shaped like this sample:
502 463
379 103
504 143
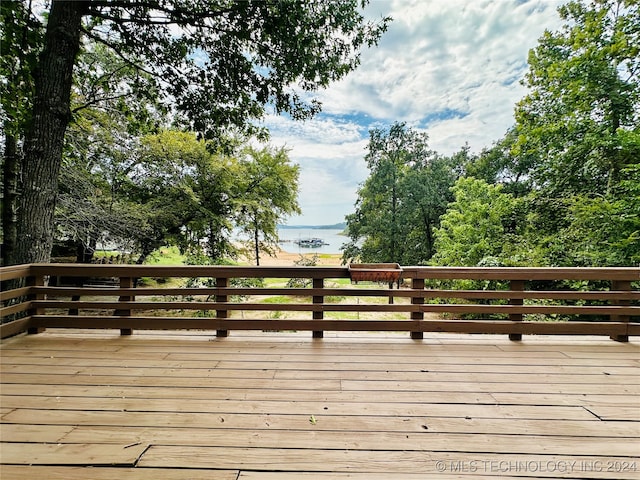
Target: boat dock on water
310 242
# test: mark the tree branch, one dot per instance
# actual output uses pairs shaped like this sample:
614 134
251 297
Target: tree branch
97 100
115 49
179 16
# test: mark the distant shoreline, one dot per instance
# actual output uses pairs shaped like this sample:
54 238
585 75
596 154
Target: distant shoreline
335 226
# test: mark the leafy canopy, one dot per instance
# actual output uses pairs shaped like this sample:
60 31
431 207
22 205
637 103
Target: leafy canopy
585 92
218 66
220 62
472 231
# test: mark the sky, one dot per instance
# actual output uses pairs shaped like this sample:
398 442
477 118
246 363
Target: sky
451 68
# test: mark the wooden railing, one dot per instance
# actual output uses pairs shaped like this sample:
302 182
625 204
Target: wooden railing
513 301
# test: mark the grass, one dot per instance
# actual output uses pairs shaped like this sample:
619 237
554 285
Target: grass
278 299
166 256
329 256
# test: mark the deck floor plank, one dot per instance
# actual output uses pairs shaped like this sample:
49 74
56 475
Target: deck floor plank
249 394
535 385
415 409
374 441
234 366
326 422
25 432
267 406
365 476
618 413
71 453
18 472
604 376
390 462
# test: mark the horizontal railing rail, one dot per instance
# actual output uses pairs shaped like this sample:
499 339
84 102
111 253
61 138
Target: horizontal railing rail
513 301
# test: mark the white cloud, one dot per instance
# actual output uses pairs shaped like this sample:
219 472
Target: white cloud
330 153
452 67
319 130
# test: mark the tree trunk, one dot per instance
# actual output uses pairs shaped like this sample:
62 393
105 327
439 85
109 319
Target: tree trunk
394 217
10 169
615 162
428 232
45 136
86 250
256 240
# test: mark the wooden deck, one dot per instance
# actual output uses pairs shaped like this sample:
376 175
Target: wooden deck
264 406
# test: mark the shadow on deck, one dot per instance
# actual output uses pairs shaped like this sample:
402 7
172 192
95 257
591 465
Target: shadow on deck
266 406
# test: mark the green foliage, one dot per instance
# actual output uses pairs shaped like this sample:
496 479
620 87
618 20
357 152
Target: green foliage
585 94
267 194
561 188
577 134
475 228
303 261
98 154
220 64
21 40
499 165
183 190
141 192
138 192
399 204
606 229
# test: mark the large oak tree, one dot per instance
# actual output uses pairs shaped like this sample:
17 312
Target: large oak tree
219 64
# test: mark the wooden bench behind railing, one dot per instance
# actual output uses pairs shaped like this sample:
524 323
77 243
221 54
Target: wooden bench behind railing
40 306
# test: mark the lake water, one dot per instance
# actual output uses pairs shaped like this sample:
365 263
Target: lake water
331 237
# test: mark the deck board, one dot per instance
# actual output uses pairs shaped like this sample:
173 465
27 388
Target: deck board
267 406
362 476
389 461
71 453
543 412
21 472
373 440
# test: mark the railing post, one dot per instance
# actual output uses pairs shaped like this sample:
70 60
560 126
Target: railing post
79 283
625 286
36 281
318 299
516 286
125 282
222 283
417 284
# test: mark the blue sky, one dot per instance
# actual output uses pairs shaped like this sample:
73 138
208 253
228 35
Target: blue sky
449 67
